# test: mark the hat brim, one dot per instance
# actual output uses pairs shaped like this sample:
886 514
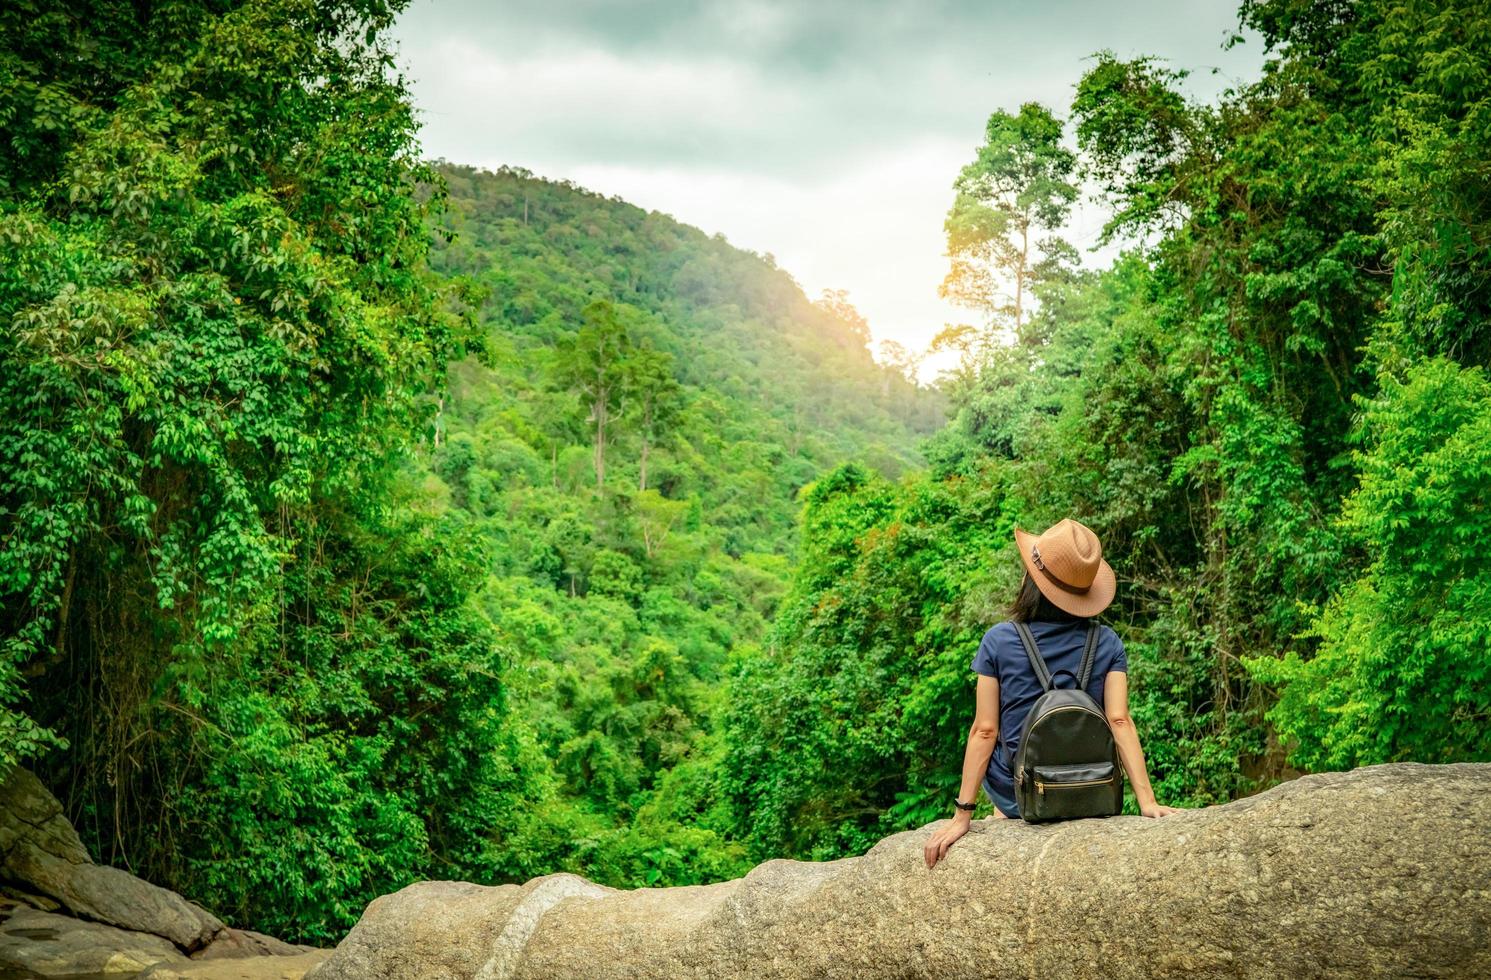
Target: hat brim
1099 595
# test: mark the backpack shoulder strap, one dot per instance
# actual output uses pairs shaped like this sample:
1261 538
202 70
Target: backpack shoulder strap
1089 654
1037 662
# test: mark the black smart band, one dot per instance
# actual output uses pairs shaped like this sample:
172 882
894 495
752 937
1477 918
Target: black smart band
964 806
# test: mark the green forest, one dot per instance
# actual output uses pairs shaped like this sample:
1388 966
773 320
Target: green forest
366 518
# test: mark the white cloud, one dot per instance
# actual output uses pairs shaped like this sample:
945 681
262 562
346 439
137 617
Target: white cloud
594 88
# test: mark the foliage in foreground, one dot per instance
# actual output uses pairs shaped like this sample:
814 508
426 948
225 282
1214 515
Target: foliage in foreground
256 663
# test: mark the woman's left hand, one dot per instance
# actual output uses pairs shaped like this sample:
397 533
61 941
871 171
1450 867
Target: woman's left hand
945 837
1158 810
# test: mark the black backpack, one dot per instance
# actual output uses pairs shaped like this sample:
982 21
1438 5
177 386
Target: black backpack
1067 765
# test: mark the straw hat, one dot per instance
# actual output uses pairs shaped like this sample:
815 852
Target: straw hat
1066 563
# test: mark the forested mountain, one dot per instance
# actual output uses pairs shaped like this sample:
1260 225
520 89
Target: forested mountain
731 388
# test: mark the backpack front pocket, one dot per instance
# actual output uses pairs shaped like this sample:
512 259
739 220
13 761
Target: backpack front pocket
1085 775
1088 789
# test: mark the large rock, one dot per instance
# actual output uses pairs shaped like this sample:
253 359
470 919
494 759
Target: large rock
1383 871
34 943
40 853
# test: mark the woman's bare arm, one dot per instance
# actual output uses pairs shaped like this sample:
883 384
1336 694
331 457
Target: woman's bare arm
1116 706
983 735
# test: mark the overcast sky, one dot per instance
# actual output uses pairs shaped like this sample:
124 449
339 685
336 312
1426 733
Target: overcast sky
825 133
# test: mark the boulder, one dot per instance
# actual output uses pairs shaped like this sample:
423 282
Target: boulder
40 853
41 944
29 814
1383 871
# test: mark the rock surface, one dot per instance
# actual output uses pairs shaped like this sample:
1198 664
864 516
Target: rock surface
45 869
255 968
1384 871
34 943
40 853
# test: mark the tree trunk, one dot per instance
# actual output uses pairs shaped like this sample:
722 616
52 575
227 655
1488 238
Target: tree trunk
1020 275
646 432
600 441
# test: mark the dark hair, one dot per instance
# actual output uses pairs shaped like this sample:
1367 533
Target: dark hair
1031 605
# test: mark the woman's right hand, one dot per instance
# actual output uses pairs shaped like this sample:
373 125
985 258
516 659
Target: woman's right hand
945 836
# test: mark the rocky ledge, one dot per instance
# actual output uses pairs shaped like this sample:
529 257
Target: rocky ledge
1385 871
61 915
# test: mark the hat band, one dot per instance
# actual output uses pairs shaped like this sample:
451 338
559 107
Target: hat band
1035 557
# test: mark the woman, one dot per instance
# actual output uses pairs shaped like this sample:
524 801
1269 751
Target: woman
1066 583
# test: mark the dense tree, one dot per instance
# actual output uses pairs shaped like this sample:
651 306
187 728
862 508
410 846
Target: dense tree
1401 671
657 397
1010 200
596 362
252 657
624 607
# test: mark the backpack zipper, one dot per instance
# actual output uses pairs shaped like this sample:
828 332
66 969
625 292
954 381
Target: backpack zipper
1076 707
1040 787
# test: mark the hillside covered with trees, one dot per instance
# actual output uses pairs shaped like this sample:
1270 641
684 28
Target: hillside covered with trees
365 519
626 440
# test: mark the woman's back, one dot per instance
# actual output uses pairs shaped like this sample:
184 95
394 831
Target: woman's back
1060 638
1060 646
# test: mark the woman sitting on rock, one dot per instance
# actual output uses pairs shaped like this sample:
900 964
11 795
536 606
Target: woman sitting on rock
1066 584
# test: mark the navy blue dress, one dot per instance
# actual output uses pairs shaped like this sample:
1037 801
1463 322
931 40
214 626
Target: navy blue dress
1001 656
